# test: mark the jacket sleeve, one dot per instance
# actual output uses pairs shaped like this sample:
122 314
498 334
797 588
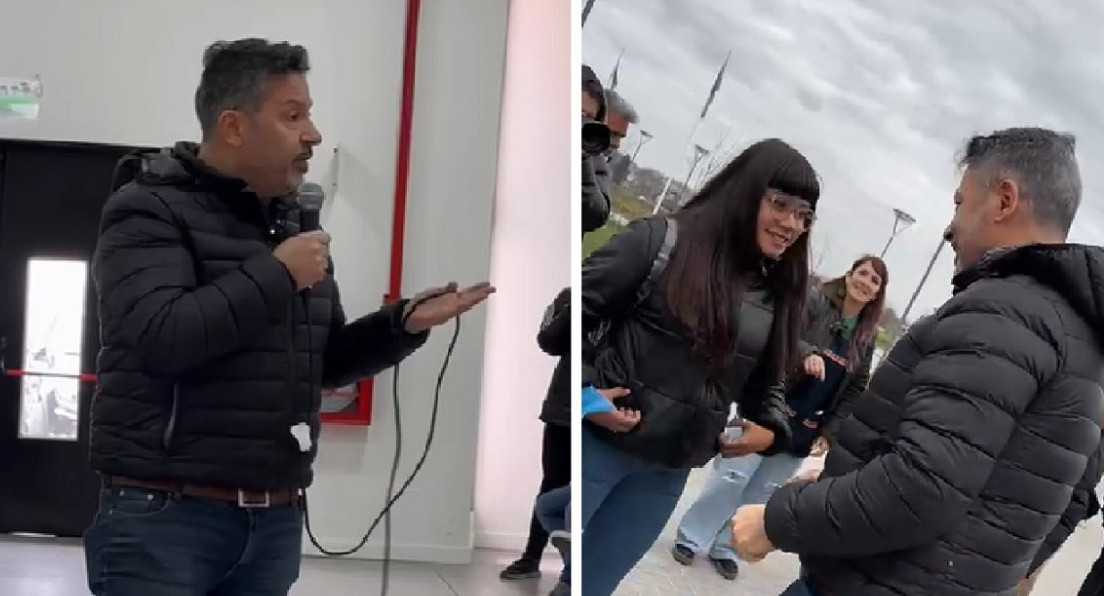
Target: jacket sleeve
554 337
611 276
856 384
594 402
367 346
146 278
816 310
938 462
596 193
1083 505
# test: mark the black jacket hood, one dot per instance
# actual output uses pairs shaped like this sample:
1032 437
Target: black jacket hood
1076 271
172 166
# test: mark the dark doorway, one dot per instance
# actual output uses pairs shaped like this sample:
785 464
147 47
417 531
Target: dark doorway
51 195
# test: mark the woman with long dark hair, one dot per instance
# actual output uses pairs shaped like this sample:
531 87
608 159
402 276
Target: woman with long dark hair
691 314
838 345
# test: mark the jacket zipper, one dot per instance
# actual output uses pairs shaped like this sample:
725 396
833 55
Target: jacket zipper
293 364
170 426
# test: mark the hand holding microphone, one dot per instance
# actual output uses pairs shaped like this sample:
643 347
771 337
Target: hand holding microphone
306 257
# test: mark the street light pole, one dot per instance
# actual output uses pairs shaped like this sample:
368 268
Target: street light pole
902 219
645 136
923 280
700 153
667 185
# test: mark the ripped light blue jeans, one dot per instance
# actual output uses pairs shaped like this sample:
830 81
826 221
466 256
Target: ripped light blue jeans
733 483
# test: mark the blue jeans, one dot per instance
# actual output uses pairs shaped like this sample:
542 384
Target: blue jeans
146 542
554 512
800 588
626 503
740 481
554 509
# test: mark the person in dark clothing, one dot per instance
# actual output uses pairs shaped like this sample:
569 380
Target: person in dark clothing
595 172
554 338
1094 581
205 420
961 457
717 325
837 347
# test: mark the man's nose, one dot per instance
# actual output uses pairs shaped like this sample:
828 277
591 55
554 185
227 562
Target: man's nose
312 137
948 234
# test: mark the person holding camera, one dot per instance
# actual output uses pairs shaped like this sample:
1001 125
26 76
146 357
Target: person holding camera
596 141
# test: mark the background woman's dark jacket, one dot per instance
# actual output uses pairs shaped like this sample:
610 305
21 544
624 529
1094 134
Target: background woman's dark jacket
683 412
824 314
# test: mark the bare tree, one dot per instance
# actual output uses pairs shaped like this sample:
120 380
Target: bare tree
727 147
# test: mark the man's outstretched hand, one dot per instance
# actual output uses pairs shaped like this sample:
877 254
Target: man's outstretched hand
435 306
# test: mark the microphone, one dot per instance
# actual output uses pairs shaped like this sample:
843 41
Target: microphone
311 197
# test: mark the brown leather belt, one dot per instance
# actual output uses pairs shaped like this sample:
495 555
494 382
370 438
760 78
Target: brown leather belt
242 498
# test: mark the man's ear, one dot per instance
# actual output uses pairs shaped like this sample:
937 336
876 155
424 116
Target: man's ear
230 126
1009 199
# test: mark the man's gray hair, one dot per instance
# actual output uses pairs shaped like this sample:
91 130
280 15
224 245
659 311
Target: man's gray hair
1042 161
621 106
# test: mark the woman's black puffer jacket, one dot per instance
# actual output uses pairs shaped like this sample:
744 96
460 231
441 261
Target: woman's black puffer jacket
684 411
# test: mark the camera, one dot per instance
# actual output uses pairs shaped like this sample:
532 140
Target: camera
596 137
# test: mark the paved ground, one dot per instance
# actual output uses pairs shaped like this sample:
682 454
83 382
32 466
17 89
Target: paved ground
659 575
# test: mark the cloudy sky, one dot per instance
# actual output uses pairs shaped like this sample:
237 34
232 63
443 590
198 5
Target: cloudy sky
879 95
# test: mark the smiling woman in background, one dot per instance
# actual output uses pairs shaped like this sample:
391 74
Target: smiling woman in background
719 325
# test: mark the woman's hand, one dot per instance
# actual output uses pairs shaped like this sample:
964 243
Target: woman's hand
819 448
754 439
814 366
618 420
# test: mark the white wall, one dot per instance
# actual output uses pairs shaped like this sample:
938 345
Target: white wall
530 262
124 71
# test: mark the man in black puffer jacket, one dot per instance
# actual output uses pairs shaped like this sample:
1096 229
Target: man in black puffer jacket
964 452
205 421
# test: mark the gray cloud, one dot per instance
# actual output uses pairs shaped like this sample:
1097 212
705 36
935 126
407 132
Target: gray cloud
880 97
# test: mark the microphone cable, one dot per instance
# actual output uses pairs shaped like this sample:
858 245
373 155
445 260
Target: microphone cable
392 496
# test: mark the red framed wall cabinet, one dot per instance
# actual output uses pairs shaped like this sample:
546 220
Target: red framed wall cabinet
350 405
358 410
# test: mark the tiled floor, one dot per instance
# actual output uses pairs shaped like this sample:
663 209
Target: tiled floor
659 575
31 567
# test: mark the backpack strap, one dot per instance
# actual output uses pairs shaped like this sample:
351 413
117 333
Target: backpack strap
659 264
597 339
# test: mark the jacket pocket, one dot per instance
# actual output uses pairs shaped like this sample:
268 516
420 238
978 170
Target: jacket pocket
671 431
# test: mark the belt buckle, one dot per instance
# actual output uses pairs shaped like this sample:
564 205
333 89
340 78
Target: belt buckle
246 503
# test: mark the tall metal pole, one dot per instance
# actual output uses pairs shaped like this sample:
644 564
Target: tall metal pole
886 247
586 10
645 136
699 154
923 280
689 145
